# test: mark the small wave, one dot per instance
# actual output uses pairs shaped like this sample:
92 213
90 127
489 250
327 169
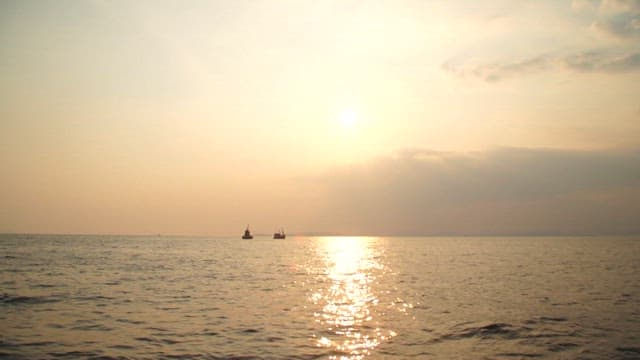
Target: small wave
43 286
170 341
39 343
487 331
95 327
16 300
546 319
210 309
5 344
520 355
629 349
145 339
562 346
75 354
129 321
95 297
553 318
164 341
274 339
156 329
191 356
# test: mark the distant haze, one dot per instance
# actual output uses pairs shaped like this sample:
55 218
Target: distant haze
339 117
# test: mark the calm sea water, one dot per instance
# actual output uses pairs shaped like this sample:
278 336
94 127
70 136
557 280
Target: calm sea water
330 298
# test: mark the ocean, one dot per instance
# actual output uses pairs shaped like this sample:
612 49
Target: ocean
161 297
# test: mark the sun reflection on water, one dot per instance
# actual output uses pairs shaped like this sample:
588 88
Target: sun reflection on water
348 317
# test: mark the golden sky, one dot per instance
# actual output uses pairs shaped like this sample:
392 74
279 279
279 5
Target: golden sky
197 117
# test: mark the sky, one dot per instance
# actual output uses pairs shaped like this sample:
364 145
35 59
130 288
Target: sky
333 117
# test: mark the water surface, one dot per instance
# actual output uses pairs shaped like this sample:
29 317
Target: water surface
328 297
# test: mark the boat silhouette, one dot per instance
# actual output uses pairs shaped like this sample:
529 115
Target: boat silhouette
247 234
279 234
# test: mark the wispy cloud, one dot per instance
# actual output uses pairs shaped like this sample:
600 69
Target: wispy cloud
499 71
594 61
581 62
508 190
618 18
615 51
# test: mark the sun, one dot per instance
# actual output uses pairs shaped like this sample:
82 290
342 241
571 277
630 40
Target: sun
348 118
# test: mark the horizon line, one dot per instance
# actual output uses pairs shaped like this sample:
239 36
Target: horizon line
326 234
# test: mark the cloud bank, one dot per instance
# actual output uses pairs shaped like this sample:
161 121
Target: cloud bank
503 191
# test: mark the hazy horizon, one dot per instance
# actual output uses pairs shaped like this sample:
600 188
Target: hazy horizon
196 118
311 234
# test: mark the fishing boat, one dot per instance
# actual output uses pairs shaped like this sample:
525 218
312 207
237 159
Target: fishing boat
279 234
247 234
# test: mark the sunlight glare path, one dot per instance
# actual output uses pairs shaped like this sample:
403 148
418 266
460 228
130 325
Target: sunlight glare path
348 301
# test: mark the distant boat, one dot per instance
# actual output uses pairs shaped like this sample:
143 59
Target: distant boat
247 234
279 234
